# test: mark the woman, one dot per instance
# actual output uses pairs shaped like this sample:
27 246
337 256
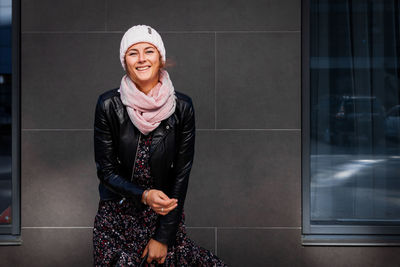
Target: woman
144 135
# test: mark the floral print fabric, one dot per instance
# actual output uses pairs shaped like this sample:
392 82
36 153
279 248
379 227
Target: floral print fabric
122 229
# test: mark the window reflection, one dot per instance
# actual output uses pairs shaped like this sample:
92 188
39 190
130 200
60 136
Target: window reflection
355 107
5 112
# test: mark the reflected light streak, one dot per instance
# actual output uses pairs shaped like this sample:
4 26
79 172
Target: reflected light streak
370 160
353 168
338 174
350 170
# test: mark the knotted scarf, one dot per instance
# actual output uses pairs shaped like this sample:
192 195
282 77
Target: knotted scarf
147 111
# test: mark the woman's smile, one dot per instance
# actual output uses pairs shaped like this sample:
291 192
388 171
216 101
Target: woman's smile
143 68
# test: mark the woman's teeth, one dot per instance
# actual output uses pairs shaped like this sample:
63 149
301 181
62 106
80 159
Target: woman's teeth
143 68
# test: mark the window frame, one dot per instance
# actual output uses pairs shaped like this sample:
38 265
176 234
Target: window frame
328 235
11 234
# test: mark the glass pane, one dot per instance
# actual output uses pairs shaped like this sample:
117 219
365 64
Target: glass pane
355 107
5 112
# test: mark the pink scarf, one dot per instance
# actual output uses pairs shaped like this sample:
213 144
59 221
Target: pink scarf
147 111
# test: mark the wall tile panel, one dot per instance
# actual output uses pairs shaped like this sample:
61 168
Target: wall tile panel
59 182
207 15
282 247
245 178
50 247
62 76
258 80
203 237
72 15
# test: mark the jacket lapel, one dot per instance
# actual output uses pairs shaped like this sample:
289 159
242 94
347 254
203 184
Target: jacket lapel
162 131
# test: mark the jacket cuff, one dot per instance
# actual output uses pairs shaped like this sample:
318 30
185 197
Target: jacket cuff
166 233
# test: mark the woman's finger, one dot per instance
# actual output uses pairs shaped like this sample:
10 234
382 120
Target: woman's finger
145 250
169 205
163 197
156 206
172 204
171 208
162 211
150 258
163 259
163 208
163 202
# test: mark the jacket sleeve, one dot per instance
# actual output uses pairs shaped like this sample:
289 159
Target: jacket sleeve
168 224
106 158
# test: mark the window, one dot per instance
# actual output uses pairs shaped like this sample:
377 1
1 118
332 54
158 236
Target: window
9 123
351 122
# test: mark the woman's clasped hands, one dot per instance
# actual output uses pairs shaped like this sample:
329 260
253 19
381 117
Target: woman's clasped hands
159 201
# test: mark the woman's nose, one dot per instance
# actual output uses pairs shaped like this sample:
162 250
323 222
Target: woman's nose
142 57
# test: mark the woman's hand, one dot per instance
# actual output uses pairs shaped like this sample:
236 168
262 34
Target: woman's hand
156 251
159 201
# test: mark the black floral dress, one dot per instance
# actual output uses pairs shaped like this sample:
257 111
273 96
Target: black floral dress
122 230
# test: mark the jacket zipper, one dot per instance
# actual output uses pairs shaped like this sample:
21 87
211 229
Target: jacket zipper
134 164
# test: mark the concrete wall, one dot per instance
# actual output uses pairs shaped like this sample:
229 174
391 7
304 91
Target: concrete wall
238 60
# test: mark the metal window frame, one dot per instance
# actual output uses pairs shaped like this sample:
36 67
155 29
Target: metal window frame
11 234
328 235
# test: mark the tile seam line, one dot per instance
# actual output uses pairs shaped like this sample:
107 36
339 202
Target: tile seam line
57 227
121 32
216 240
105 14
54 130
231 129
199 129
260 228
215 81
187 227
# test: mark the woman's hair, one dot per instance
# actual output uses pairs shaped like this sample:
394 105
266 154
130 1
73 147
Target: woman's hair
162 63
167 64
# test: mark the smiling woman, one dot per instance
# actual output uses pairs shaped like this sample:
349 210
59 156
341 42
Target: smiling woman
144 134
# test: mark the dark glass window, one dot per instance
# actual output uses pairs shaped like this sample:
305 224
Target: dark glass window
5 112
351 122
9 123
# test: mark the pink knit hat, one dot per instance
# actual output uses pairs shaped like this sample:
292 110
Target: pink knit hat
137 34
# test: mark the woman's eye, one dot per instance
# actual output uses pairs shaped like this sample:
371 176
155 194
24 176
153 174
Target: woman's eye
149 51
132 54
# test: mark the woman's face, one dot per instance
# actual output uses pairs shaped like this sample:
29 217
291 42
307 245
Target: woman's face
142 62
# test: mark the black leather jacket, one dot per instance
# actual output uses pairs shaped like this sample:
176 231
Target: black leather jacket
171 156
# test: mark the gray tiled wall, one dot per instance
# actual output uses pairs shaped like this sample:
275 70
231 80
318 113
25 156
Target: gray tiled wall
238 60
